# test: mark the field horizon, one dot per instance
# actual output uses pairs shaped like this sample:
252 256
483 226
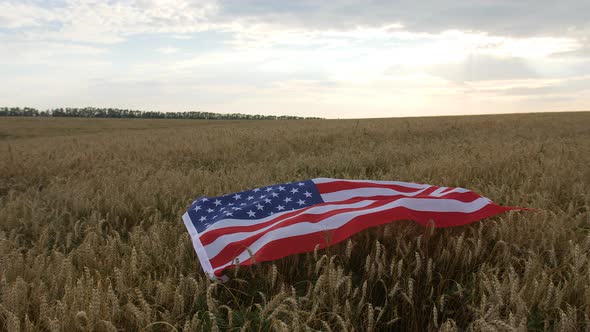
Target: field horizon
91 237
224 116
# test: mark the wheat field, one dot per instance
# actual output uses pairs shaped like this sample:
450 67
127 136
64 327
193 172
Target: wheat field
91 237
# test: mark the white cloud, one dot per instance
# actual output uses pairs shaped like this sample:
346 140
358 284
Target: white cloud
47 53
167 50
181 37
269 61
18 15
107 22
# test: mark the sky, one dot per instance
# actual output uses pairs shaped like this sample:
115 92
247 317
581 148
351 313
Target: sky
332 59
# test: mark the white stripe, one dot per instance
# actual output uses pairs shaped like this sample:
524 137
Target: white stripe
337 221
222 223
215 247
438 192
397 183
365 192
201 253
229 222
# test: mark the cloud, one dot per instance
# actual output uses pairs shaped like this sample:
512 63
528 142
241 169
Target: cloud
570 86
15 52
18 15
330 58
113 21
484 67
106 21
502 17
167 50
181 37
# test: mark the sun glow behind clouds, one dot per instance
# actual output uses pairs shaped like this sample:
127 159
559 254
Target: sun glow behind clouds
185 55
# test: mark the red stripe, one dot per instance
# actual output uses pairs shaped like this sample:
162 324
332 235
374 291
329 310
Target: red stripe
213 234
306 243
428 191
330 187
325 188
233 249
465 197
210 236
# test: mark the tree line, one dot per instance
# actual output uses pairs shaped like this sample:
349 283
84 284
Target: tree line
94 112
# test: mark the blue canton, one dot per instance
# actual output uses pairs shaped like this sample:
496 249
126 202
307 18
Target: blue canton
254 204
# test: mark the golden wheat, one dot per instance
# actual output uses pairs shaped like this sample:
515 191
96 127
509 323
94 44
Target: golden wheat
91 239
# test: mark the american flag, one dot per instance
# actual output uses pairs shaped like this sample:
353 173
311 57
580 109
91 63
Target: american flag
271 222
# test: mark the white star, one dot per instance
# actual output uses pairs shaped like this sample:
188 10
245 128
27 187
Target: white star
251 213
280 207
294 190
203 218
268 189
237 208
250 198
287 199
217 202
259 207
230 204
237 196
300 202
256 190
267 200
197 208
301 184
262 196
281 188
205 199
307 194
209 210
275 195
229 214
223 208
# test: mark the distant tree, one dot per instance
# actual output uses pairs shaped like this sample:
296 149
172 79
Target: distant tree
92 112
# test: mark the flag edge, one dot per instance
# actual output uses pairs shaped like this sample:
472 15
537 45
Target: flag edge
198 246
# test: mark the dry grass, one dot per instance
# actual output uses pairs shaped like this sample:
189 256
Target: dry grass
91 236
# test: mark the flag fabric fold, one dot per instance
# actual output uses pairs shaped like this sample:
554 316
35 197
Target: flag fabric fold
275 221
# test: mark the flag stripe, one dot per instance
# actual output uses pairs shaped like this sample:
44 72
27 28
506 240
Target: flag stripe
433 207
197 245
363 192
334 189
379 193
314 210
227 247
329 187
228 226
278 220
288 242
395 183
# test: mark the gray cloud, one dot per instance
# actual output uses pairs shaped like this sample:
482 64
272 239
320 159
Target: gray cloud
113 20
291 61
564 87
502 17
483 68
